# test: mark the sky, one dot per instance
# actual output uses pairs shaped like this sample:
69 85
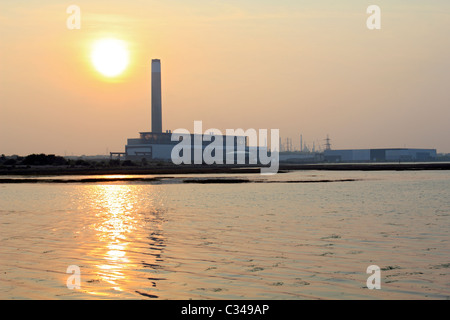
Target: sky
307 68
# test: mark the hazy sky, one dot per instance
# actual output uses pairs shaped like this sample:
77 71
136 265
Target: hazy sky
304 67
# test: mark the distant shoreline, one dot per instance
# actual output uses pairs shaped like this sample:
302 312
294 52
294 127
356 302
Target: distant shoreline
204 169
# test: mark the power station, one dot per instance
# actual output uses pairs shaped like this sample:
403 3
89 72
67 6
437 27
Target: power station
157 144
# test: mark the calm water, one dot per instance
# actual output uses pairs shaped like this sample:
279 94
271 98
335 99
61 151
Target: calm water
281 238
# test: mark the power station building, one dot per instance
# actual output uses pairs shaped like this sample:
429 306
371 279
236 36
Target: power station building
388 155
157 144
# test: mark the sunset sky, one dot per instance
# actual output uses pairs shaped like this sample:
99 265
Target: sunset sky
304 67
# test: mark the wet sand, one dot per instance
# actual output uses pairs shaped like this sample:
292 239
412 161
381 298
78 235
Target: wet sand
159 180
215 169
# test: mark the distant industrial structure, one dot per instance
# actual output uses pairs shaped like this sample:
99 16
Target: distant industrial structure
158 145
379 155
327 154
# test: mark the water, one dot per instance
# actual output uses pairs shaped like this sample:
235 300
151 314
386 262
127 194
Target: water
276 237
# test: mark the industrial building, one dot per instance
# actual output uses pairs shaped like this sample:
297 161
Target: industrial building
158 145
380 155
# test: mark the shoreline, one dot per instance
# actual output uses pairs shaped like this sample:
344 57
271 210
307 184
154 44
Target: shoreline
204 169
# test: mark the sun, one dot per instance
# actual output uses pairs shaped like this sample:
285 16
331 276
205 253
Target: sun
110 57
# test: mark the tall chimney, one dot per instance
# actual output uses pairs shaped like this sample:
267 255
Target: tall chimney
156 96
301 143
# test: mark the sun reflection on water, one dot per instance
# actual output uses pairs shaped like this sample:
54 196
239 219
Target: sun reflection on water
126 228
116 219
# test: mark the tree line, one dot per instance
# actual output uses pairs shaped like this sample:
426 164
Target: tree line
54 160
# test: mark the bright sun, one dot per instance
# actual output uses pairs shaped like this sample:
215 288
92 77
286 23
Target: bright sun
110 57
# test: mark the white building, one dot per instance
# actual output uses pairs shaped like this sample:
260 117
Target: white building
393 155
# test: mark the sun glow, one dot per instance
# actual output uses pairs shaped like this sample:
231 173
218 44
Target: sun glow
110 57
